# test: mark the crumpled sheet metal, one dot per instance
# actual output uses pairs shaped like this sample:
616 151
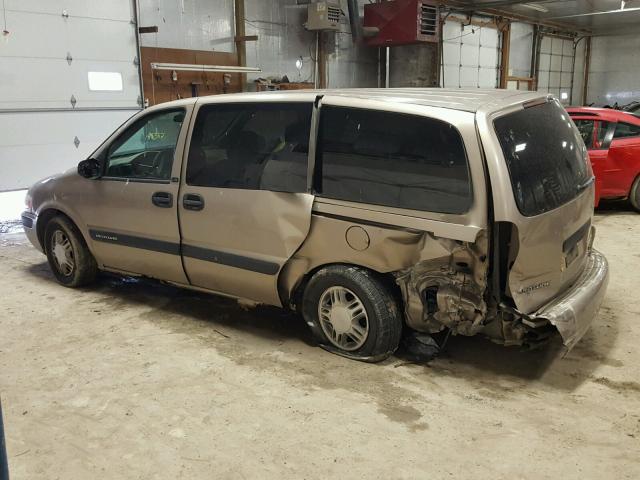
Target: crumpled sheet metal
573 312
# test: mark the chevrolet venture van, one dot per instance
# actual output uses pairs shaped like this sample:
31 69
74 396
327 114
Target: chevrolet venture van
364 210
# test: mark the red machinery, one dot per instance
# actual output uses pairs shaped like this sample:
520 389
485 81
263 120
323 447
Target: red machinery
401 22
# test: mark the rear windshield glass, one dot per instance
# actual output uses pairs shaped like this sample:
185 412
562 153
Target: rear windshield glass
546 157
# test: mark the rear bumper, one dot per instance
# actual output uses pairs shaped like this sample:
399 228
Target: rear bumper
573 311
29 225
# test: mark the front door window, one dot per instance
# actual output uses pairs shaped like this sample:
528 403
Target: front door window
145 150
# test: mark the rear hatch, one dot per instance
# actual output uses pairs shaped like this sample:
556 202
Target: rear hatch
549 205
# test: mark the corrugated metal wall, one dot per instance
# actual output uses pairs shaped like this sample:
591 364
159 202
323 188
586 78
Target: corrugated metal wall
45 60
189 24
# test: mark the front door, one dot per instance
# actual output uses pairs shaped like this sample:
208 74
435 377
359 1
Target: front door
597 135
131 210
244 208
624 158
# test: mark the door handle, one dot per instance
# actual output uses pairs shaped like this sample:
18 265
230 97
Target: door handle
162 199
192 201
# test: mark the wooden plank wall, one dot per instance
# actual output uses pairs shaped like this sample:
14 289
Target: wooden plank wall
162 88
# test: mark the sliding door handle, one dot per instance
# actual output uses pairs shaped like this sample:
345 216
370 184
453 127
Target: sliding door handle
193 201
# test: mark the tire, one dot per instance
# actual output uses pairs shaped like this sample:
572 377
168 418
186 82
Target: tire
335 291
634 195
62 239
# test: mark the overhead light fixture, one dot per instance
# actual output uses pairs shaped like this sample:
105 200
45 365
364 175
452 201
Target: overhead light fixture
184 67
535 6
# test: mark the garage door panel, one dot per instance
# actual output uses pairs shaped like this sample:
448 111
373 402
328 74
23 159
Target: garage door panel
545 62
451 76
565 80
545 45
26 85
487 77
451 52
489 37
469 77
567 48
83 35
77 36
567 64
471 35
556 63
488 57
543 79
554 80
469 55
556 46
26 37
111 9
37 144
451 30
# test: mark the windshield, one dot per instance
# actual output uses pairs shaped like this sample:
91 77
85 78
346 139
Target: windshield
545 155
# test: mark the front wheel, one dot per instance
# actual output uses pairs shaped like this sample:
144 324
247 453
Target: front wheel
634 195
69 257
352 313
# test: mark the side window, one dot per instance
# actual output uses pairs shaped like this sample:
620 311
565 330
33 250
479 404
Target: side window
586 127
258 146
145 150
601 133
625 130
392 159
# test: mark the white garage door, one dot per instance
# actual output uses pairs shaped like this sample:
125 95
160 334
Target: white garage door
471 56
68 79
555 67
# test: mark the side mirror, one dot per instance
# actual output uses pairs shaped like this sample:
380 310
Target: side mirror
90 168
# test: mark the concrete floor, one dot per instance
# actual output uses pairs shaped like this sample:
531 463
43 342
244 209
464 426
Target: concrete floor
129 379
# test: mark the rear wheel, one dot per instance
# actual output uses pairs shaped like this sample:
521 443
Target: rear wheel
634 195
352 313
69 257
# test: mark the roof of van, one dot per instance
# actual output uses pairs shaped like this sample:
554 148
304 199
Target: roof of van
469 100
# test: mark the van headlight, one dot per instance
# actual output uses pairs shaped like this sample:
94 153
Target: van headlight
28 203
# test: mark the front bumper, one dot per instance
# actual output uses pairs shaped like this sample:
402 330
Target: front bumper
573 311
29 220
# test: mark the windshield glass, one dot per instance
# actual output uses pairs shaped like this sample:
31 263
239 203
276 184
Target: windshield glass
545 155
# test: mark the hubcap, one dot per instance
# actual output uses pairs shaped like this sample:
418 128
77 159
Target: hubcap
343 318
62 253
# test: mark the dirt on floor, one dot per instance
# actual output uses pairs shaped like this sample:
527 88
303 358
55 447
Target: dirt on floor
132 379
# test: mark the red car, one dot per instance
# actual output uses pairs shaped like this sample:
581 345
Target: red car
613 140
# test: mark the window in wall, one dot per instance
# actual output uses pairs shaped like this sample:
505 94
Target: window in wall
555 67
145 150
625 130
259 146
105 81
392 159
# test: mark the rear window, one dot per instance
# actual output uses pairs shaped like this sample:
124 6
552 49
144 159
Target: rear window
545 155
392 159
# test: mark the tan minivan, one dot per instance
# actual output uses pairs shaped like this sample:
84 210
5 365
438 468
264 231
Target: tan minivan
364 210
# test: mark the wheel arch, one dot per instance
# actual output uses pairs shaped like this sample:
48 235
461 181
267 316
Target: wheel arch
45 216
293 298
